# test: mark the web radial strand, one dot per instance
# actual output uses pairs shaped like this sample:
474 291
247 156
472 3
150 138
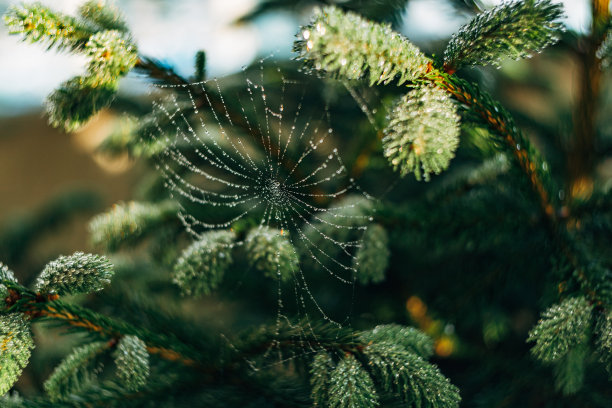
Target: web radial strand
246 147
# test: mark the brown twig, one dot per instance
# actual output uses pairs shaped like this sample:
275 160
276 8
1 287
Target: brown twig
581 150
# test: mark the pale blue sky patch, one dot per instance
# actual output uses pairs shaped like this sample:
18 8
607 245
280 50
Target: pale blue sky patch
173 31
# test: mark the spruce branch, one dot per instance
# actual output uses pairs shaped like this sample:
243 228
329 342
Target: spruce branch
112 55
395 368
350 386
127 223
479 107
75 370
111 52
372 257
405 373
132 360
77 273
103 14
482 107
352 47
409 338
321 368
604 53
200 66
563 327
270 252
512 30
48 307
570 369
74 103
5 275
36 23
603 330
422 133
128 138
16 346
201 267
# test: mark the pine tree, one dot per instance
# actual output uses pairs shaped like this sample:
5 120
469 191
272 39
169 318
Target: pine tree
485 226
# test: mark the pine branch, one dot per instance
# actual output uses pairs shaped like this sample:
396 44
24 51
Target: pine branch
75 370
37 23
603 329
77 273
350 386
128 223
132 359
334 27
201 267
74 103
561 337
103 14
352 47
561 328
507 136
392 356
47 307
511 30
372 257
270 251
111 55
15 348
422 132
404 62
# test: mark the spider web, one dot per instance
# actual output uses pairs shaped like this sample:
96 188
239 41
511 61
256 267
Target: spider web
246 150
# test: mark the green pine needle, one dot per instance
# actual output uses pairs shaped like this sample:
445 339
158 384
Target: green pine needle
132 360
351 386
12 400
36 23
111 56
74 103
418 382
604 53
8 275
409 338
201 267
511 30
604 340
127 223
16 346
562 328
569 370
322 367
74 371
352 47
423 132
76 273
103 14
270 251
372 257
